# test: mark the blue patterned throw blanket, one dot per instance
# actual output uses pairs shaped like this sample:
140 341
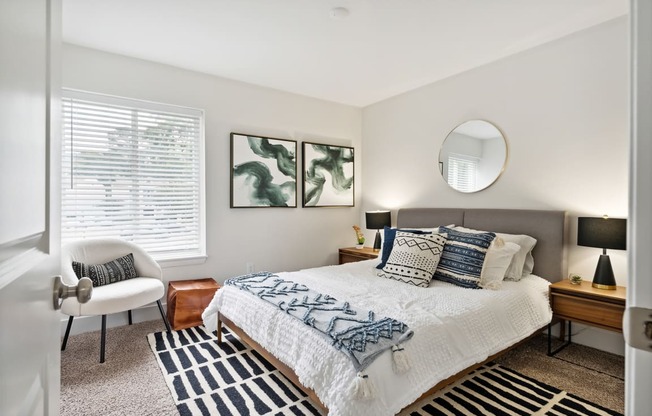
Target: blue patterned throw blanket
356 332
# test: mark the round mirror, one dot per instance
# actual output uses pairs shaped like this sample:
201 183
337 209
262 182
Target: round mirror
473 156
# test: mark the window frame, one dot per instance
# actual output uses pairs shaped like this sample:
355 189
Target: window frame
177 259
469 160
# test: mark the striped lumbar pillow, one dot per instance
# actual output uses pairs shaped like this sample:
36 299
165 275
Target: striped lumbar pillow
463 257
414 258
110 272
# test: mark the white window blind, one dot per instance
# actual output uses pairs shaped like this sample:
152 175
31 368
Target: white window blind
462 172
133 170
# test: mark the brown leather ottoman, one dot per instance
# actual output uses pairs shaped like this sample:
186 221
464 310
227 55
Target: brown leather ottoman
187 299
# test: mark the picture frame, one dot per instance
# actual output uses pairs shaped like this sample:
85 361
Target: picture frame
263 172
328 175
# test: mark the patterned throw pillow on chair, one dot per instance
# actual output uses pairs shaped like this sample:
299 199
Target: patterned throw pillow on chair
414 258
110 272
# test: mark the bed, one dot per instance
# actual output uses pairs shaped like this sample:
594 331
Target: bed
451 338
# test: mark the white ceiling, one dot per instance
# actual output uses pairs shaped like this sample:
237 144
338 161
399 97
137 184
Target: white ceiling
383 48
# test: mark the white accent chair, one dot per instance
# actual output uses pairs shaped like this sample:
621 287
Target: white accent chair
115 297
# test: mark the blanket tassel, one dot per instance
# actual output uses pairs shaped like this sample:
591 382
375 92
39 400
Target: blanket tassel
400 360
362 388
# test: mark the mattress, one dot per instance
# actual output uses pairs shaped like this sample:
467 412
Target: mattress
454 328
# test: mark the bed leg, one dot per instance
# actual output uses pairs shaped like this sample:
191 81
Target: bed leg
219 329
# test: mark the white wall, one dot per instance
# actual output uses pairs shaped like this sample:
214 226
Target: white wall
563 108
274 239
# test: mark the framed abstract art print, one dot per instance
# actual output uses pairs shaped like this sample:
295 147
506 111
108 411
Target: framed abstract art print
328 179
263 172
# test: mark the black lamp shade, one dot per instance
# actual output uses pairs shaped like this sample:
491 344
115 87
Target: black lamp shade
609 233
377 220
604 233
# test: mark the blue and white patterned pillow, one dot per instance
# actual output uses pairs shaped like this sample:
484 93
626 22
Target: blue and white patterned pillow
463 257
414 258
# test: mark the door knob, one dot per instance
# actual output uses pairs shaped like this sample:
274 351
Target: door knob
637 328
82 291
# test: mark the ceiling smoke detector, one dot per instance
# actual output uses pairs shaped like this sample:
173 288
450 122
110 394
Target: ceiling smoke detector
339 12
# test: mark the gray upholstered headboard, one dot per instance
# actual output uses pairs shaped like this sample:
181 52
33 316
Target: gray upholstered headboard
548 227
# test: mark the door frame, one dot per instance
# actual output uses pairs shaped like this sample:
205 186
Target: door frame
638 363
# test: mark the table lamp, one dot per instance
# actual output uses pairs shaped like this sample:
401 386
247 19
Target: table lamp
605 233
377 220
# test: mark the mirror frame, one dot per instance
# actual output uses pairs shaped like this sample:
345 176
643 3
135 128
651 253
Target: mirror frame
498 174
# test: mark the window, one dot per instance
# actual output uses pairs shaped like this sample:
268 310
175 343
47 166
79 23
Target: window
133 170
462 172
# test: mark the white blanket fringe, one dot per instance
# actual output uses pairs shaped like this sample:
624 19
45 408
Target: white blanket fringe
362 388
400 360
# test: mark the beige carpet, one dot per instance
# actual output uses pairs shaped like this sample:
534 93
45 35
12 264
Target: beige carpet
130 382
592 374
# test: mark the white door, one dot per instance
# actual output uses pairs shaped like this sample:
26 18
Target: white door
29 325
638 400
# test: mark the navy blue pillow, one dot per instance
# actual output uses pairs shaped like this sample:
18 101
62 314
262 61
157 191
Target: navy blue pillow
388 242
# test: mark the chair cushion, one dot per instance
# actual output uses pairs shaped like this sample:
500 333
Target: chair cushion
113 271
117 297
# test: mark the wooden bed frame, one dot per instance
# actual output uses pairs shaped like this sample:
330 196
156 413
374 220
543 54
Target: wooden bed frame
548 227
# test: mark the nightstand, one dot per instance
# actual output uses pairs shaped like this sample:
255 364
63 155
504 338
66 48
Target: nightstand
352 254
187 299
587 305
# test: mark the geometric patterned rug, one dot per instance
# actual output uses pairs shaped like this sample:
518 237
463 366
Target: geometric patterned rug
232 379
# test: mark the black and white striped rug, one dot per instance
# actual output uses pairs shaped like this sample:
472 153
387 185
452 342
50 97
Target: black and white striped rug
232 379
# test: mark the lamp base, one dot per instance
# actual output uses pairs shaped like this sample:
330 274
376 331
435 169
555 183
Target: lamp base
603 287
604 274
377 241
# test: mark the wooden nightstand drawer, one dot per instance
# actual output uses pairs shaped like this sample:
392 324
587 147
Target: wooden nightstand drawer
589 311
352 254
588 305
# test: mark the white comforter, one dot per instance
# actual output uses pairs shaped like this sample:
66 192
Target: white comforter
454 328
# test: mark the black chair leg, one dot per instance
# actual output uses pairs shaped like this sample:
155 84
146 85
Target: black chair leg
165 321
103 339
129 315
65 337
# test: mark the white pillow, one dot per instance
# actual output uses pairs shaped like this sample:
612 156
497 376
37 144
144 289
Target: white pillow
414 258
496 262
523 262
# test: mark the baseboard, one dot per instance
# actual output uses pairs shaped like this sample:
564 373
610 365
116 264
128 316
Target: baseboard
597 338
600 339
82 324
